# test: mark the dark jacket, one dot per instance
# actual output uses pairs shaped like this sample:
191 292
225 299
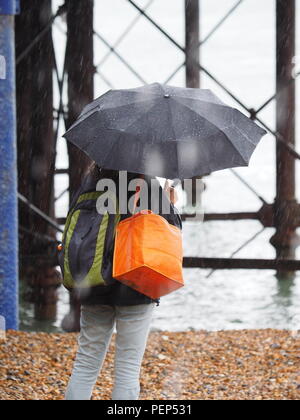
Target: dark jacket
115 292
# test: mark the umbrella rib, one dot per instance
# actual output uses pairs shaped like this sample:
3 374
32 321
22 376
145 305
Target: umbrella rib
93 112
130 103
174 136
239 130
205 102
201 100
92 109
216 104
139 118
218 128
232 109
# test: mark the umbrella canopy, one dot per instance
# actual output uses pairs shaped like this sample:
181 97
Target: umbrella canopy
165 131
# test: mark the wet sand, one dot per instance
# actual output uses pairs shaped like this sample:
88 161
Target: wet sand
225 365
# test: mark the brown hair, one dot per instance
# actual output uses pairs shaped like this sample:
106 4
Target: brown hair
95 171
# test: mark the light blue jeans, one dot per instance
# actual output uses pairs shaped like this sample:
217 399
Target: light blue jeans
97 326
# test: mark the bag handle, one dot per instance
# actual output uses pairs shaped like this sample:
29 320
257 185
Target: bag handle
137 193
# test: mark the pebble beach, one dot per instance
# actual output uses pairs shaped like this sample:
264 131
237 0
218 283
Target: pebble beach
194 365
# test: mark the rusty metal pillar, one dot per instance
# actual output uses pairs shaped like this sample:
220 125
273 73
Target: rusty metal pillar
192 43
36 153
80 70
286 239
192 53
24 78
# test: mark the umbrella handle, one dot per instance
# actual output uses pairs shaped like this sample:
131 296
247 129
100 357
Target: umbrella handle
171 192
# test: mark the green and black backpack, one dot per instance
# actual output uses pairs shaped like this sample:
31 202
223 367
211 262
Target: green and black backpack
86 235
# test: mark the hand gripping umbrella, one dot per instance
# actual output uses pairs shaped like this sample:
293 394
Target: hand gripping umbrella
165 131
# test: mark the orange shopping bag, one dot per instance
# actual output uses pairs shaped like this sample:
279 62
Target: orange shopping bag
148 254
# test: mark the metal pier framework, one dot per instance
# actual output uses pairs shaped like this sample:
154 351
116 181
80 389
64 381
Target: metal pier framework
39 122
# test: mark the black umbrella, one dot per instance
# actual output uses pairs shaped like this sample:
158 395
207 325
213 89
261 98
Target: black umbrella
165 131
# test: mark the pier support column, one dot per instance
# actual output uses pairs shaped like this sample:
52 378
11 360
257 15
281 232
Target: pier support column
36 155
80 70
192 40
192 53
286 239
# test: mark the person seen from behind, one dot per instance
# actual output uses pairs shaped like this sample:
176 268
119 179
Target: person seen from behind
115 306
